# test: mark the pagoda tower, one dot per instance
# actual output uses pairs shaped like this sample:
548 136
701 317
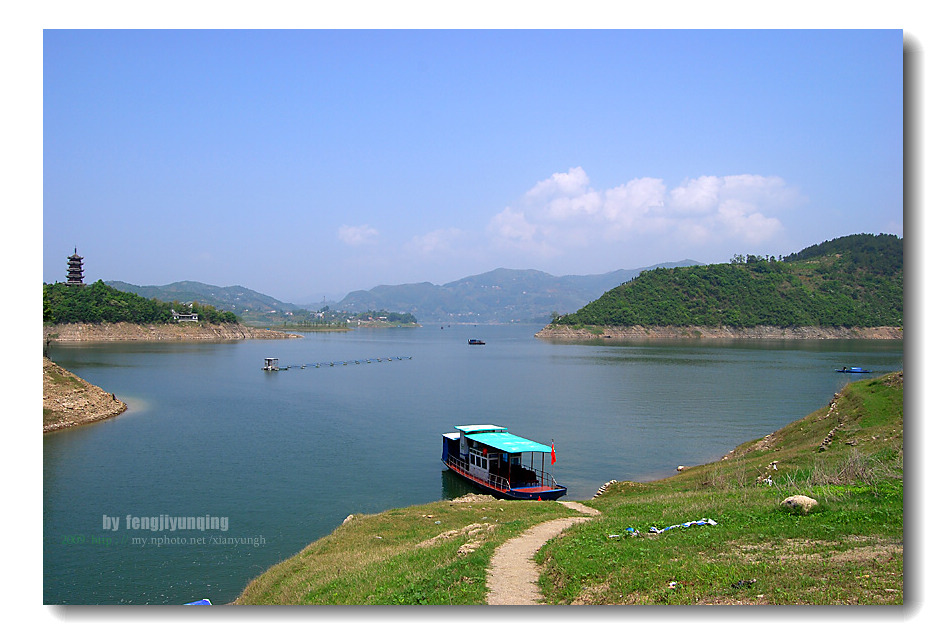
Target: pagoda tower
74 274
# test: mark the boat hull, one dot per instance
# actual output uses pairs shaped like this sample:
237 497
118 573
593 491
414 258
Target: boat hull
539 492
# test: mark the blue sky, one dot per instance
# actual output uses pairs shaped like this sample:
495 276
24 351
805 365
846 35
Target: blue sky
311 163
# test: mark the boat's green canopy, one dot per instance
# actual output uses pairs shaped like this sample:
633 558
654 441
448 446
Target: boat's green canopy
498 438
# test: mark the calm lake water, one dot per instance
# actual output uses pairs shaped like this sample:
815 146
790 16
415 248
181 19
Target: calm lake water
273 461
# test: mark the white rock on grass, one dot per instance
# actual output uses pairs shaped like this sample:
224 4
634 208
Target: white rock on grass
799 504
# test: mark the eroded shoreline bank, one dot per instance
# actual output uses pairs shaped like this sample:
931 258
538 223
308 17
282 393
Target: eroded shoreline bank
638 332
69 401
182 332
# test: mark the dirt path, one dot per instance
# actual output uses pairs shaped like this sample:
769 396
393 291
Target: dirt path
512 577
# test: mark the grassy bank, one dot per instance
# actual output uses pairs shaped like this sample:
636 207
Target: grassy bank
429 554
847 550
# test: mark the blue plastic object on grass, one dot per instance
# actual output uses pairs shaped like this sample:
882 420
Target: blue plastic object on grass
692 523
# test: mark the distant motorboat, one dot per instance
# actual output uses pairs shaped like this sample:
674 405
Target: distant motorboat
853 370
474 341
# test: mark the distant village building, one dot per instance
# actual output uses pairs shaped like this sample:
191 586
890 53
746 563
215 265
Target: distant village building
74 272
183 317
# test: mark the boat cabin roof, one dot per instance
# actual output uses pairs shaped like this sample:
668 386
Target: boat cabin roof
480 428
500 439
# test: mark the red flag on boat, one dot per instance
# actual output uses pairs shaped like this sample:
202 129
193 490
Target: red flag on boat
553 453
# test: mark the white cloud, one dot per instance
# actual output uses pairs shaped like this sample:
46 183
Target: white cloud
572 183
565 212
512 226
357 236
629 204
697 196
740 220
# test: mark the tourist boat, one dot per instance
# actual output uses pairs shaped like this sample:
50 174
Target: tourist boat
853 370
477 342
493 459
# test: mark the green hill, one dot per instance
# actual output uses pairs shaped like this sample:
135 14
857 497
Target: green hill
98 302
239 300
854 281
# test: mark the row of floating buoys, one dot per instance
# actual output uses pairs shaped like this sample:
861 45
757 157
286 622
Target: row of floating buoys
342 363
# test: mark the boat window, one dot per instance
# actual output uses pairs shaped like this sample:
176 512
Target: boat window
477 460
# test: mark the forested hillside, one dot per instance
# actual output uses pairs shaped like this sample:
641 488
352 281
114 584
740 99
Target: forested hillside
239 300
855 281
98 302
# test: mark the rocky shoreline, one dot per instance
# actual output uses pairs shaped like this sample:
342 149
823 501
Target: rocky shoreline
638 332
181 332
70 401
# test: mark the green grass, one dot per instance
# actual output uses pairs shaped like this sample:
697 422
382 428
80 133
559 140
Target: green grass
403 556
849 550
63 379
789 559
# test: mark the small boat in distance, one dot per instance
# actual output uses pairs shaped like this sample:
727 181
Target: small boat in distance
474 341
853 370
492 459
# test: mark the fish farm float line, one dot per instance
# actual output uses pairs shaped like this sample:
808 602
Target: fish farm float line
272 364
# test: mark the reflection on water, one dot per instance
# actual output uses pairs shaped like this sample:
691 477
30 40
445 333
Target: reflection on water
453 486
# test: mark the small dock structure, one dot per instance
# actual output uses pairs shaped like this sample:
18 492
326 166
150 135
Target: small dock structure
272 364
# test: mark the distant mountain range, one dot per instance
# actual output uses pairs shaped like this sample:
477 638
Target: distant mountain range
501 295
239 300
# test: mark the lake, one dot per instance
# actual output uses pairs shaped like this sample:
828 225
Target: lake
265 462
